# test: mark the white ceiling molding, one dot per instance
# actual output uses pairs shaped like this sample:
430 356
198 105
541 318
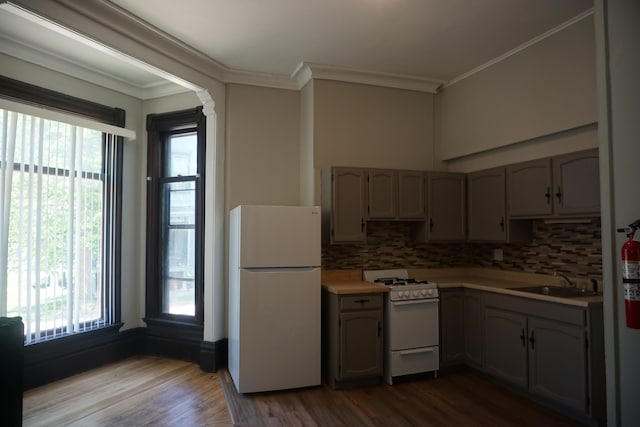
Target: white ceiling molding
111 30
520 48
42 58
308 70
276 81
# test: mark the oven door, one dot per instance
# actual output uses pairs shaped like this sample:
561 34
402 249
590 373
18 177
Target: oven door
413 323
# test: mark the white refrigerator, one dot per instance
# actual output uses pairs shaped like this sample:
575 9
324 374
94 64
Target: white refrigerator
274 297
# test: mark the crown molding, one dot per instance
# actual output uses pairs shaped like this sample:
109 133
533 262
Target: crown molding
40 57
309 70
277 81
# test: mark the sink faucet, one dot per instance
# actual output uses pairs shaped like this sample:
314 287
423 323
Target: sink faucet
571 284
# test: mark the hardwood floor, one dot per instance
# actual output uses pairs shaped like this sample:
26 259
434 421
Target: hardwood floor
138 391
146 390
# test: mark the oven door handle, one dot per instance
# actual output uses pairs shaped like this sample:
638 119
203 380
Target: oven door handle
417 351
416 301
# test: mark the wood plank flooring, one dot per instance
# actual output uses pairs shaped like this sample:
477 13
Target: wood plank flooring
138 391
152 391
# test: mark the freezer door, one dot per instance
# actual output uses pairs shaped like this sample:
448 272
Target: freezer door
278 319
276 236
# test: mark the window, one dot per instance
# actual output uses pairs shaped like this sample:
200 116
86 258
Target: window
59 228
175 208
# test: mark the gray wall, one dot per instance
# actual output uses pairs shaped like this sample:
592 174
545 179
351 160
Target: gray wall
370 126
547 88
262 146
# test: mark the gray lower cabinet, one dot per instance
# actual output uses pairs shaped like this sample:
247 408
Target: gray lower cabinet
461 334
544 356
557 362
353 346
505 346
452 348
473 331
554 351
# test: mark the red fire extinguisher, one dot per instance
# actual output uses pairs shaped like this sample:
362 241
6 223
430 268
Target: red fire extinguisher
631 274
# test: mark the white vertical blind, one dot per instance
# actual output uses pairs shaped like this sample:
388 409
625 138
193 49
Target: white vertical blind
55 230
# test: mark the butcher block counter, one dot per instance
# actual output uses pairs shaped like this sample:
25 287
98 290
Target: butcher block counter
343 282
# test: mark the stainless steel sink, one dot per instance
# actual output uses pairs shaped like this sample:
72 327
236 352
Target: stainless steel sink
554 291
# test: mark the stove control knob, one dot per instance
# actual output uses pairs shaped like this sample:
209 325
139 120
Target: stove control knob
430 291
406 294
415 293
423 292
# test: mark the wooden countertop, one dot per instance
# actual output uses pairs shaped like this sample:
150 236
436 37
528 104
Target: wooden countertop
349 282
484 279
500 281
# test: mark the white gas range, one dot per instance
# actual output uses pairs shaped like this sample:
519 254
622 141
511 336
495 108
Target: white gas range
411 323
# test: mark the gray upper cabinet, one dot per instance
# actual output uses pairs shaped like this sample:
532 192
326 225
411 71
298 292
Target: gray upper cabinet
383 198
446 208
344 205
529 189
487 208
577 183
396 195
411 195
559 186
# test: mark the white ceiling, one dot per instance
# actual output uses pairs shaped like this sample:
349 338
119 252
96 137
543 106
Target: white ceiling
434 39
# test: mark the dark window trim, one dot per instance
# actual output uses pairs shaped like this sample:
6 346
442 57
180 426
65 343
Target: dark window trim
158 126
34 95
45 98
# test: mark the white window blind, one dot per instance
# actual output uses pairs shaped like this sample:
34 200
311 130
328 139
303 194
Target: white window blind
56 221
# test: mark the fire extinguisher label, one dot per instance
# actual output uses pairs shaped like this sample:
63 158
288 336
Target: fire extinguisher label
632 291
630 270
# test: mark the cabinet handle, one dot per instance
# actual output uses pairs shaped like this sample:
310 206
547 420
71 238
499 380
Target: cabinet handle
502 223
548 195
362 301
430 224
523 338
379 328
532 340
559 195
362 225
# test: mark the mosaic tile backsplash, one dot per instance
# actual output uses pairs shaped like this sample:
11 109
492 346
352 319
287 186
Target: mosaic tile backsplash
574 249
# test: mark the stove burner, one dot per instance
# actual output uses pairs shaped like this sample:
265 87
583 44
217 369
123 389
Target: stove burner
397 281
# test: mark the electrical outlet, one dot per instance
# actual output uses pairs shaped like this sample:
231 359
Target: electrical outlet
497 255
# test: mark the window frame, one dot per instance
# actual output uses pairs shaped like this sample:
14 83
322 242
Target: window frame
159 128
29 94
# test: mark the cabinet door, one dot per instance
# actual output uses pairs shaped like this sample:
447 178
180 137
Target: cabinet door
557 362
473 330
446 206
487 205
505 351
411 195
451 326
348 205
577 183
382 194
529 191
360 344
